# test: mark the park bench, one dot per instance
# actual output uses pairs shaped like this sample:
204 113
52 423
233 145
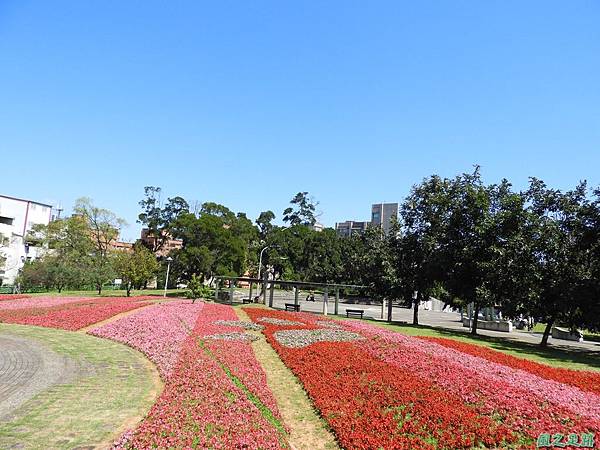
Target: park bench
292 307
247 300
355 313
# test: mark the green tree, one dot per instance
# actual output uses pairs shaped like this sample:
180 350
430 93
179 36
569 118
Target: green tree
217 242
34 274
63 272
197 289
481 222
419 244
264 223
136 267
158 218
104 227
377 264
69 249
565 288
302 211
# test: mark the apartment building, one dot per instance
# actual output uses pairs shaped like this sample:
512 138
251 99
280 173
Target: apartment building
383 215
350 227
17 218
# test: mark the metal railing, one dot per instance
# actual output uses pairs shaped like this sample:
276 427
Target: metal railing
266 289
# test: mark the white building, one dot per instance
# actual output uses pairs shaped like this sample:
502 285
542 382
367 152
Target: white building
17 217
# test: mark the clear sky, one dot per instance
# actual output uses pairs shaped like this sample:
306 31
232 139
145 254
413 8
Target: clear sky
246 103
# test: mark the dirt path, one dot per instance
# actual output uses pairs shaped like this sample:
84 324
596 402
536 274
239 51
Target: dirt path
308 430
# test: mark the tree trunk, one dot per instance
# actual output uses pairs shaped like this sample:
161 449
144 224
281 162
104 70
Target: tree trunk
546 335
475 318
416 311
99 286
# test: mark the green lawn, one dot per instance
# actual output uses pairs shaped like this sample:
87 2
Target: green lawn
115 389
111 293
574 359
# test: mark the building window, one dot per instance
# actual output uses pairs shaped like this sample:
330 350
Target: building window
6 220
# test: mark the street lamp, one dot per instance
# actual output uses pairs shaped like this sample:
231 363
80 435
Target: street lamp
260 260
261 254
169 259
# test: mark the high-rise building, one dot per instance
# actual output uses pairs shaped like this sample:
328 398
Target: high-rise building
17 218
350 227
382 215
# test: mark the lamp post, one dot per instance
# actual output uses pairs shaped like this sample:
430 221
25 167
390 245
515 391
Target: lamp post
260 260
169 259
276 246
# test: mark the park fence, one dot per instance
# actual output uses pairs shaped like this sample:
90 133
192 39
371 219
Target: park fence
324 298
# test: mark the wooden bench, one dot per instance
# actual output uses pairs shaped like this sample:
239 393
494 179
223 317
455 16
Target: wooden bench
292 307
247 300
355 313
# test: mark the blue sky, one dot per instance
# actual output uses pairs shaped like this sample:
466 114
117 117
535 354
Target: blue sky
247 103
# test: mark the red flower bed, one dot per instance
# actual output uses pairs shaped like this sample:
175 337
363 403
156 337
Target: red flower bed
584 380
528 404
371 404
12 296
70 316
212 397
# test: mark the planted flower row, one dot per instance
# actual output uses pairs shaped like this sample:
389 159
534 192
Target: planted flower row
582 379
71 315
530 405
157 331
370 403
12 296
216 396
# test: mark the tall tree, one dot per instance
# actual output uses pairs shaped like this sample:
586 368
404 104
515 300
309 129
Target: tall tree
217 242
264 223
419 246
104 226
302 211
564 260
158 218
69 250
377 264
479 226
136 267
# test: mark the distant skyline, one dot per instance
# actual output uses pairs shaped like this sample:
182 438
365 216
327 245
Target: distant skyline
248 103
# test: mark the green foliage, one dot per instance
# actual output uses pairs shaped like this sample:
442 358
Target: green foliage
135 268
302 211
534 253
264 223
79 249
103 227
216 242
197 288
51 272
158 217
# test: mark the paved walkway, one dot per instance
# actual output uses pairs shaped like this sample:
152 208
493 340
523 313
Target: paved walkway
447 320
27 368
